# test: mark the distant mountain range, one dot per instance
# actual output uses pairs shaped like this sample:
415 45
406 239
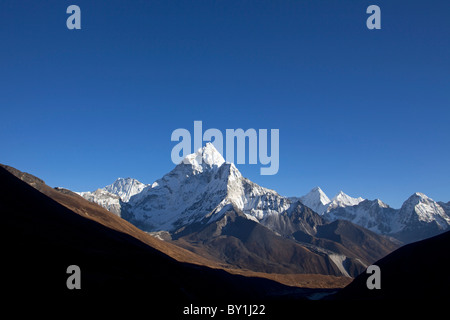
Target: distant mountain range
239 247
419 217
50 229
203 187
205 205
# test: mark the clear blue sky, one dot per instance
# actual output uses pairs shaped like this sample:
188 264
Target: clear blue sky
363 111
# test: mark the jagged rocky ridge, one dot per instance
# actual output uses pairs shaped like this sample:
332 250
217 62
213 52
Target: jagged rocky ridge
419 217
203 184
208 207
196 189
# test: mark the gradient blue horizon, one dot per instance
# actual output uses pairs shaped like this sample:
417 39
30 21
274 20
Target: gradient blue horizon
363 111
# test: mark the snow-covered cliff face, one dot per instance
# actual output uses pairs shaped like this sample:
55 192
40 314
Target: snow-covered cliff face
203 186
195 190
419 216
420 208
125 188
185 195
374 215
316 199
106 199
198 189
114 195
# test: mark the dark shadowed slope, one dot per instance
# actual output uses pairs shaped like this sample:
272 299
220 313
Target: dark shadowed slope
339 248
94 212
97 213
42 238
247 244
415 271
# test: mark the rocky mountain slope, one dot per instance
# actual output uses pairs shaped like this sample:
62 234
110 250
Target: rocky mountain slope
47 237
203 184
204 195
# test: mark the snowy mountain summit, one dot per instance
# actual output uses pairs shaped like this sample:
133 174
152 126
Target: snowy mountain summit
317 200
343 200
125 188
200 188
205 158
418 218
421 208
203 187
114 195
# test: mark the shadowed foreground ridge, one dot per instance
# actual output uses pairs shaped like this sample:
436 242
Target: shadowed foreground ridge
415 271
44 238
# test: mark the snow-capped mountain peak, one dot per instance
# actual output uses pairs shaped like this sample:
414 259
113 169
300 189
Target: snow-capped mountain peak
316 199
422 208
418 218
381 203
204 186
322 197
205 157
344 200
104 198
199 188
319 202
112 196
125 188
